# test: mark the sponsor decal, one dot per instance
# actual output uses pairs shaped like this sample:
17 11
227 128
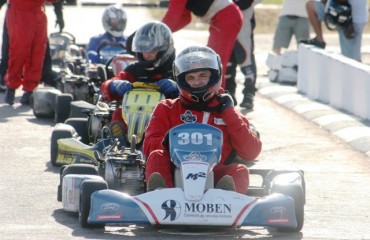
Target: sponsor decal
109 217
173 210
195 176
66 157
109 207
219 121
278 215
195 156
188 117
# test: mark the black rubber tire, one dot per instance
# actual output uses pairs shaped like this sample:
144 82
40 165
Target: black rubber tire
62 107
88 187
80 125
297 193
80 109
58 133
76 168
79 168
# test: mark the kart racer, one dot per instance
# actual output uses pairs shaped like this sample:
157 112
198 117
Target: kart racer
114 22
154 49
197 71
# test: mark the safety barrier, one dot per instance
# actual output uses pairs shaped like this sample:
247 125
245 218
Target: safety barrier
335 80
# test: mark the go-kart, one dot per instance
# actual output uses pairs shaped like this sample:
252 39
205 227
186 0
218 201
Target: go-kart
75 140
65 55
80 80
195 149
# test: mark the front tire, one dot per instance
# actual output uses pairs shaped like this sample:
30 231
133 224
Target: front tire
88 187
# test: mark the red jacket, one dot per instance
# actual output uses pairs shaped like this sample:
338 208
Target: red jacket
234 125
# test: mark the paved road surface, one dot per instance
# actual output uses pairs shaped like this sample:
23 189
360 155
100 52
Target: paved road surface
337 175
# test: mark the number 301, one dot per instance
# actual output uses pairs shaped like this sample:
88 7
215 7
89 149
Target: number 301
195 138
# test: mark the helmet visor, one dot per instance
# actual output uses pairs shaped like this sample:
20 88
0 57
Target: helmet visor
117 24
145 43
193 61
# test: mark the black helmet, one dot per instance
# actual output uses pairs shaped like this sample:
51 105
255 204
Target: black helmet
153 36
114 20
338 15
197 58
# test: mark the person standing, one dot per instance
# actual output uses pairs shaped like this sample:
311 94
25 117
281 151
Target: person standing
224 19
49 77
243 55
26 23
293 20
350 44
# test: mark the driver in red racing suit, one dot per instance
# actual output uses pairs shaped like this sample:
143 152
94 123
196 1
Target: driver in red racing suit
154 48
27 27
197 71
224 19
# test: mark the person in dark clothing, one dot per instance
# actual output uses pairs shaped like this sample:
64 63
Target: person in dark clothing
243 56
48 76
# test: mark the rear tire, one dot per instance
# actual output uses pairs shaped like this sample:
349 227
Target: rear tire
88 187
80 125
62 107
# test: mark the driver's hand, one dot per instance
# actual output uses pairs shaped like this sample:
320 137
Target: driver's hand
120 87
168 87
226 101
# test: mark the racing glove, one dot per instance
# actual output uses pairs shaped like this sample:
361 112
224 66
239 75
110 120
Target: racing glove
168 87
226 101
120 87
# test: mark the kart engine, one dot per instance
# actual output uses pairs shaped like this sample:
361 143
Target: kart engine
124 171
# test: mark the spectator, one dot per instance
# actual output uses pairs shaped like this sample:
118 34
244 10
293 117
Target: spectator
350 45
243 55
154 49
293 20
48 76
26 24
114 22
224 18
201 100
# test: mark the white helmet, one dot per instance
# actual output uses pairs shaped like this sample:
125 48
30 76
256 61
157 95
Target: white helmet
114 20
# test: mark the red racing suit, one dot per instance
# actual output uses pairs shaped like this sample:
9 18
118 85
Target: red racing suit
27 26
224 18
236 136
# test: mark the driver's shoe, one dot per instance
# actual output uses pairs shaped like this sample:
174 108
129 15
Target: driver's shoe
247 102
226 183
9 96
26 98
155 181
